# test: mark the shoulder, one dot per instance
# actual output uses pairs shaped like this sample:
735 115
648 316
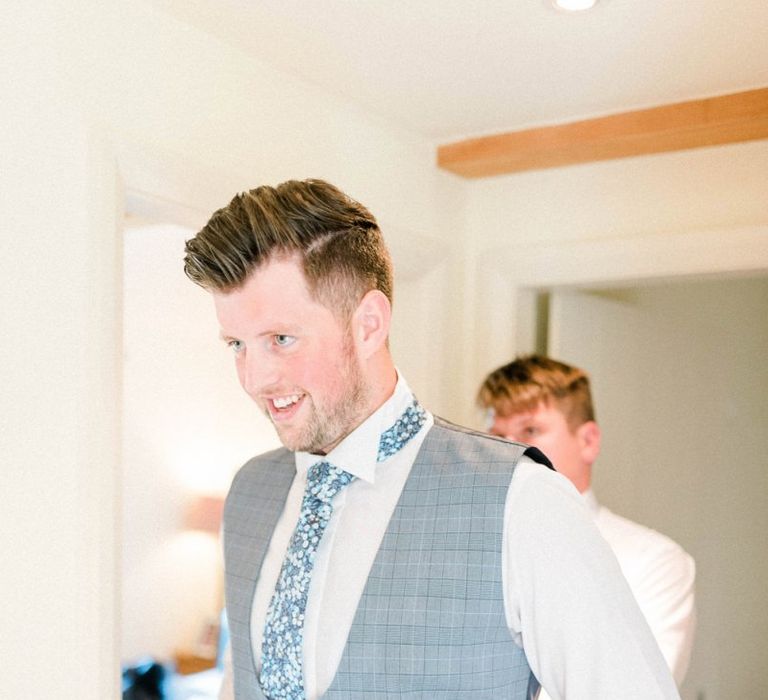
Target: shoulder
623 530
268 468
279 455
472 445
640 546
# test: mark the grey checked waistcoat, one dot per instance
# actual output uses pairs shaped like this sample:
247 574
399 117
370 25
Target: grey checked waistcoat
430 623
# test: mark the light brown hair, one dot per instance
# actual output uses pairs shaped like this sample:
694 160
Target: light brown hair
526 382
339 244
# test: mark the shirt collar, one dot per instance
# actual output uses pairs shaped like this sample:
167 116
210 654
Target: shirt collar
357 452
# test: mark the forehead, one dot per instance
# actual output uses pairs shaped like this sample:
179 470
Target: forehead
274 296
542 413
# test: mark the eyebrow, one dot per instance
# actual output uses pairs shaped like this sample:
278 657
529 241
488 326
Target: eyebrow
292 331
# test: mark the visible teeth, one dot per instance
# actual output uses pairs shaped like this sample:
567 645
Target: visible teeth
285 401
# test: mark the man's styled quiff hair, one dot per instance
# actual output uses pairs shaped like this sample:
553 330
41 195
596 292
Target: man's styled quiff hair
342 251
526 382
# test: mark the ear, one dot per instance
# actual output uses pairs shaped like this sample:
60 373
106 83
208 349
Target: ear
589 441
370 323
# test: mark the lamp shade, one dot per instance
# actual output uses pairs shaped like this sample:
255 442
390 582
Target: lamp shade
204 513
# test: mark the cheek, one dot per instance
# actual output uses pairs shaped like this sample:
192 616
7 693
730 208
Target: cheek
323 370
314 373
563 454
240 373
331 380
240 370
299 370
548 444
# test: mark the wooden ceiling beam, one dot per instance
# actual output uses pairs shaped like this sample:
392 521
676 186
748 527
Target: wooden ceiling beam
741 116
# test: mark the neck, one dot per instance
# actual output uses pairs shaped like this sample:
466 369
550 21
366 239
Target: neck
382 380
583 481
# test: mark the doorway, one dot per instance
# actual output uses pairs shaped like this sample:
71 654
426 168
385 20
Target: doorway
680 385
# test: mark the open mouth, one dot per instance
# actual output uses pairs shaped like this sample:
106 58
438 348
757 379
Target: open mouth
283 407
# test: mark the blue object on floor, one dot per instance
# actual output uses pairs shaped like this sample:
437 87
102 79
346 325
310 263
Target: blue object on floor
144 681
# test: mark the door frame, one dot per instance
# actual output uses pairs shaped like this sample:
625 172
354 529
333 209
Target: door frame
509 279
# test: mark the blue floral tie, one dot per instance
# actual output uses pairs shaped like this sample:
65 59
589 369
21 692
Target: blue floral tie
282 673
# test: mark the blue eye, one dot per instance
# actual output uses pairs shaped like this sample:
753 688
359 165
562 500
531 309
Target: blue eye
236 345
284 340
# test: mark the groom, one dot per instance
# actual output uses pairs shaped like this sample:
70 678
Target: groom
383 552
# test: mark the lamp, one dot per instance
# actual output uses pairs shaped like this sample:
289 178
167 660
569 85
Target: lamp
204 513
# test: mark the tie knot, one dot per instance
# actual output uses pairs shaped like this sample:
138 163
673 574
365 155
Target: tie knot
324 481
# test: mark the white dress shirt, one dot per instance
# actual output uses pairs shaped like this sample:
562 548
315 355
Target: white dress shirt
661 575
567 604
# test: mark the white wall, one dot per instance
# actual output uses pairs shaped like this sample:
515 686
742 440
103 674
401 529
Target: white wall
701 189
60 369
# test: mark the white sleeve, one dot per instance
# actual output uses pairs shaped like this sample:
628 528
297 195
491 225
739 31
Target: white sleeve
567 602
227 691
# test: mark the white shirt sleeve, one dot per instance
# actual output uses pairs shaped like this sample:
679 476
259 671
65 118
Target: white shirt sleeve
567 602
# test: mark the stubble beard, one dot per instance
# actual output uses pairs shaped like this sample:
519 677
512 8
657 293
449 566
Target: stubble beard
327 426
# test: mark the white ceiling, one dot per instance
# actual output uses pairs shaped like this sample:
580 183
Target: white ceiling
448 69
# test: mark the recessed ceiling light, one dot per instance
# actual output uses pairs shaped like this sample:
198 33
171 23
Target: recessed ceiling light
573 5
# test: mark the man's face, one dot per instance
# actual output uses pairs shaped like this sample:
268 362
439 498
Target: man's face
570 451
294 358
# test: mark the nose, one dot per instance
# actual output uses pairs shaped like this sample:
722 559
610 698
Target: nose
257 373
